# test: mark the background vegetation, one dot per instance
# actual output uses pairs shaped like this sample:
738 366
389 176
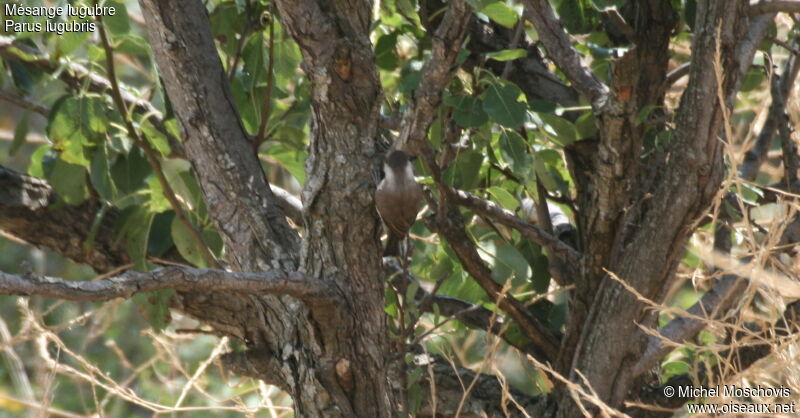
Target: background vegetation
500 134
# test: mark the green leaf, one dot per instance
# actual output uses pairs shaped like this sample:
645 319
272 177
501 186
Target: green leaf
119 23
560 130
501 13
465 172
467 111
130 171
160 240
514 151
38 158
20 133
545 176
213 240
157 139
442 270
287 57
753 79
508 257
504 198
385 54
415 396
157 201
540 278
507 54
186 245
750 194
154 307
100 175
409 81
411 292
132 44
70 41
586 125
21 75
137 233
502 104
69 181
675 368
575 16
690 12
254 62
292 160
226 22
76 125
644 113
245 102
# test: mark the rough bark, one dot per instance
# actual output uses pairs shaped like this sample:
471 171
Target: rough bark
314 320
645 220
332 364
338 198
32 211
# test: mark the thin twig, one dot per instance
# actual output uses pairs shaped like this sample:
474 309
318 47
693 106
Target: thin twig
267 106
778 6
24 103
789 47
560 49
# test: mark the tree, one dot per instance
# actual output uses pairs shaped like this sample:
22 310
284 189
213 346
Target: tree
586 116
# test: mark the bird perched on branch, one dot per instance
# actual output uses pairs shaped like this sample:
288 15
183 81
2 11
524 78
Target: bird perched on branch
397 199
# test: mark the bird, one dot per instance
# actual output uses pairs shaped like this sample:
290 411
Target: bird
397 199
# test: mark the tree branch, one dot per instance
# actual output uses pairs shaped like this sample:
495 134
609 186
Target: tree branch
560 49
451 226
530 72
471 315
24 103
779 6
436 73
252 225
713 304
175 278
289 203
780 89
559 249
31 210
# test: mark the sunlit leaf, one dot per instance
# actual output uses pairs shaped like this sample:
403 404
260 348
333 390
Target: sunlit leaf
507 54
501 13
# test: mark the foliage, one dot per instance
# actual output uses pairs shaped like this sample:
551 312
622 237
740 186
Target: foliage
515 150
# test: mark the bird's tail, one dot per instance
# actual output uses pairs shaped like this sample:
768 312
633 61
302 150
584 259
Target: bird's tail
392 248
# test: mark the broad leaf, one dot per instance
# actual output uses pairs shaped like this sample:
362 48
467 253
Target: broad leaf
501 102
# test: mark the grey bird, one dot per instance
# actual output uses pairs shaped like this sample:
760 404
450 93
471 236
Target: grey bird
397 199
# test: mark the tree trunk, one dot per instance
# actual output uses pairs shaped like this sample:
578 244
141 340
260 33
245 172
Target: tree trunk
333 360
